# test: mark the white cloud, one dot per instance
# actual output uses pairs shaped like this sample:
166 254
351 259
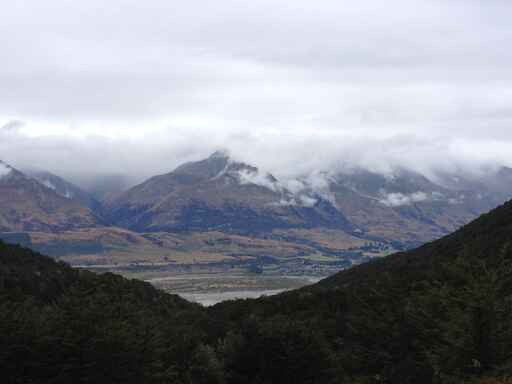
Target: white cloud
290 86
397 199
4 170
258 178
48 184
307 201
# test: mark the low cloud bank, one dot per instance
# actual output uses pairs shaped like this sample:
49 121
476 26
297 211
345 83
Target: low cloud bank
309 157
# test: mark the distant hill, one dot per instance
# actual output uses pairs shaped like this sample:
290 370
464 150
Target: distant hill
65 189
27 204
410 208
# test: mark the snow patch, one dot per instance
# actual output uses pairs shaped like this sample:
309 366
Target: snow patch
67 194
48 184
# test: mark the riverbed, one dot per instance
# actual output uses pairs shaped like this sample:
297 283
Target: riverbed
210 289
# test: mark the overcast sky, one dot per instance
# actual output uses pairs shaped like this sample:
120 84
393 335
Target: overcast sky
139 86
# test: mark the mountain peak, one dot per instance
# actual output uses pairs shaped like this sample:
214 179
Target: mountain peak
4 169
220 154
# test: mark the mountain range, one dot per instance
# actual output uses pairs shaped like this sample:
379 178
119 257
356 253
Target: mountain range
440 313
222 210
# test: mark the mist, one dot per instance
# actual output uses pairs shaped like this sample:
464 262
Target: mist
85 160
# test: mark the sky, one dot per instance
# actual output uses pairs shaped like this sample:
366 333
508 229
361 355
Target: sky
137 87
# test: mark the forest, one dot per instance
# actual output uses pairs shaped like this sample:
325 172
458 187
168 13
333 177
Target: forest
437 314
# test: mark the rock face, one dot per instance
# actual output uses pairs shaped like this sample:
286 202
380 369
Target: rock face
28 205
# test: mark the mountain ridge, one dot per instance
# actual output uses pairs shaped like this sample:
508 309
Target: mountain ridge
27 205
220 210
359 199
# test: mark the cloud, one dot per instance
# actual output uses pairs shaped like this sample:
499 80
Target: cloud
259 178
300 162
4 170
371 68
399 199
291 86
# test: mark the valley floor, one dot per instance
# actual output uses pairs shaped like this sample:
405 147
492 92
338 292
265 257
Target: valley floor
212 284
209 289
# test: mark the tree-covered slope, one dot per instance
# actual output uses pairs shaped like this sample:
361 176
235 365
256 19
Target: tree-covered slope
62 325
439 314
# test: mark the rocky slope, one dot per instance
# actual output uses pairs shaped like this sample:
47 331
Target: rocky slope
440 313
28 205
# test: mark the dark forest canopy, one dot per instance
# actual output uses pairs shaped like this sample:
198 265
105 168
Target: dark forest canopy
439 314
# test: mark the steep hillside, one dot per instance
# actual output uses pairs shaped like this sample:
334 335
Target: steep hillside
65 189
407 207
441 313
63 325
28 205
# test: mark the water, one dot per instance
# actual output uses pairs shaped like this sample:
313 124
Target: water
210 289
211 298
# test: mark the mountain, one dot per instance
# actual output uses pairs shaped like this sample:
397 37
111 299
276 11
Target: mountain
28 205
406 207
222 211
441 313
219 194
64 188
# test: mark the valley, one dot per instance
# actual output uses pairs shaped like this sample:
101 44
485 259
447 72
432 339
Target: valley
218 226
